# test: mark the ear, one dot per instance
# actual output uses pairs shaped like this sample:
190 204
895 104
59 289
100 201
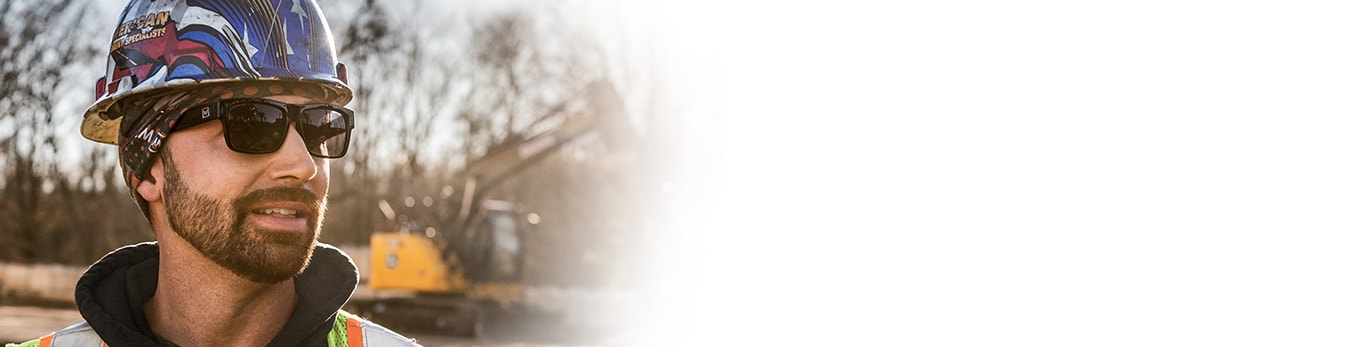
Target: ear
150 188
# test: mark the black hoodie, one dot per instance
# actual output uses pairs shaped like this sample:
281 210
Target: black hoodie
111 294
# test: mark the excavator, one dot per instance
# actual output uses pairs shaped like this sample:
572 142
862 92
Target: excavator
451 274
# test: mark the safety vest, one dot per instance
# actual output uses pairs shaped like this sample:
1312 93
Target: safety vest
348 330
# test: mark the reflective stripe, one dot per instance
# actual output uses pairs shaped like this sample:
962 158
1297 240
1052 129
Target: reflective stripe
352 330
354 336
75 335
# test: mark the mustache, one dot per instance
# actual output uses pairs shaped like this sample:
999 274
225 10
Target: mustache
291 194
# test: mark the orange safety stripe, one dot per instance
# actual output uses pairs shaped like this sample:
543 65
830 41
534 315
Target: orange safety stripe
46 341
353 332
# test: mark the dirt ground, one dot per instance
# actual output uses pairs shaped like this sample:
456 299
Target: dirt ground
22 323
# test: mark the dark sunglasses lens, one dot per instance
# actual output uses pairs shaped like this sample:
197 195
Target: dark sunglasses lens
255 128
327 131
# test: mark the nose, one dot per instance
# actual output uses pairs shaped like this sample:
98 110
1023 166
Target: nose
292 163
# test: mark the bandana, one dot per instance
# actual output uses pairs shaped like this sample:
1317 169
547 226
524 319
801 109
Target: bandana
148 121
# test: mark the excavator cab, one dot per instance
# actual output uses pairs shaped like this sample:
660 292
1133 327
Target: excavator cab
492 250
491 253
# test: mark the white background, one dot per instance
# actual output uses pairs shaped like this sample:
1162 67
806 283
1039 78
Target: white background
1001 173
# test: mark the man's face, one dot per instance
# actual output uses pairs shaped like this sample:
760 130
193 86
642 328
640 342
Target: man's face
257 215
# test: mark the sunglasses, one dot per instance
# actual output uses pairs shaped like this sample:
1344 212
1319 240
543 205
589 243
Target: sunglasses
259 126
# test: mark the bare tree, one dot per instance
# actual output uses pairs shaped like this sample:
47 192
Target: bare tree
525 71
37 60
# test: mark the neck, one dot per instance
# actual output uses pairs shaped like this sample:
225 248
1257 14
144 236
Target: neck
198 303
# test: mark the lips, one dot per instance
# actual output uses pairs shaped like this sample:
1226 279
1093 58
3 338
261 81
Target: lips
284 212
288 210
288 216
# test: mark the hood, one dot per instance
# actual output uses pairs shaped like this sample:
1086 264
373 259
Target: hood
111 294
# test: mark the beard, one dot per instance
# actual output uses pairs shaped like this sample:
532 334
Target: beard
220 231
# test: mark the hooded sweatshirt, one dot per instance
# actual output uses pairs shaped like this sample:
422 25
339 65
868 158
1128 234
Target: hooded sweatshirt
111 295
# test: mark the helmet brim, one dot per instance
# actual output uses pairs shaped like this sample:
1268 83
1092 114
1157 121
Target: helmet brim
102 126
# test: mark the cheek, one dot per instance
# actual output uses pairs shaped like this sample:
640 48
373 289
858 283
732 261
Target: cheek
206 164
224 178
322 182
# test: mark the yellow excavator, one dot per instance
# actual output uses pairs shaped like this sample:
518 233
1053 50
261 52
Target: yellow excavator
449 276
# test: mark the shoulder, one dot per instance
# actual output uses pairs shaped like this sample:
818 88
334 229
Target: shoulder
370 334
75 335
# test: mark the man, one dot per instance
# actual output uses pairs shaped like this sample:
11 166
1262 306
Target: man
226 114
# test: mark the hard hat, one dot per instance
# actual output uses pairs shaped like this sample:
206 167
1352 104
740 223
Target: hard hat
163 45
